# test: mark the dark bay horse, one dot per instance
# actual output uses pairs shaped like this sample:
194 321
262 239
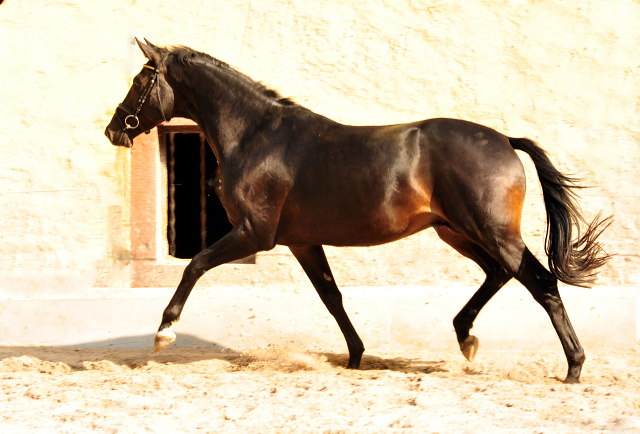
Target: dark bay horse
292 177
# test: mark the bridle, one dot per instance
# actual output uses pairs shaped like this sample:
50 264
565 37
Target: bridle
131 121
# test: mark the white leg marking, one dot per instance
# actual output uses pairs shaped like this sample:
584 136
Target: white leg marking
163 339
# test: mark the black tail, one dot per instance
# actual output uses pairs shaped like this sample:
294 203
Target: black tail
572 261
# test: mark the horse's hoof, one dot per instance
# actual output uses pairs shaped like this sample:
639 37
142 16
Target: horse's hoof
469 347
163 339
571 380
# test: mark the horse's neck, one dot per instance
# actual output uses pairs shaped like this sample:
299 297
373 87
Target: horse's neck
222 108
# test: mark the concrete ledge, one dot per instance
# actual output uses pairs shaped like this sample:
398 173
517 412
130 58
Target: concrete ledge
387 318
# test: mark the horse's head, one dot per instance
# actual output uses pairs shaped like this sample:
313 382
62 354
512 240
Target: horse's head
149 102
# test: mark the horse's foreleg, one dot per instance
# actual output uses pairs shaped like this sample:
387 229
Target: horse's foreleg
237 244
314 263
496 278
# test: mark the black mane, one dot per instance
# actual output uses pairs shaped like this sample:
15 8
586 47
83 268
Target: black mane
188 56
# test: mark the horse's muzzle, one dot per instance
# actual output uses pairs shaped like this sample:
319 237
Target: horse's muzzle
118 137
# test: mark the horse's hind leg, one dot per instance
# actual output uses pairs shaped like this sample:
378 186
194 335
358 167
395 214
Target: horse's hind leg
314 263
497 276
516 258
544 288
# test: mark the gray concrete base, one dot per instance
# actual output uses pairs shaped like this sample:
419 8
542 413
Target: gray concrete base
387 318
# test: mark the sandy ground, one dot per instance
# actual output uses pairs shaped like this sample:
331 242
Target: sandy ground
192 390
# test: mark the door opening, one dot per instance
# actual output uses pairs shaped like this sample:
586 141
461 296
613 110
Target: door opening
196 217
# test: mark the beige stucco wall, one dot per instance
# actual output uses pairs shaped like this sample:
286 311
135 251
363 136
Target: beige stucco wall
564 73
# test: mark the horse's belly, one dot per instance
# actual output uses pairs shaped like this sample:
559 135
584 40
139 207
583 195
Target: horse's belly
373 230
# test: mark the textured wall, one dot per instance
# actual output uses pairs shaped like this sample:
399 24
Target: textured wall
564 73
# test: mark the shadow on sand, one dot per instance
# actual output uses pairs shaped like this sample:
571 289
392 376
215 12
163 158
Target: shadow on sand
136 351
397 364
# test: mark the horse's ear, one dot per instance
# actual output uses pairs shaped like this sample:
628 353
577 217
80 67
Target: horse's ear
150 51
149 43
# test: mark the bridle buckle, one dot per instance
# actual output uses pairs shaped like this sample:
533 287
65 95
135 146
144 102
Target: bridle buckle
131 126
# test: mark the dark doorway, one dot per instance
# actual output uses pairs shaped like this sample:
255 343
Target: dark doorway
195 215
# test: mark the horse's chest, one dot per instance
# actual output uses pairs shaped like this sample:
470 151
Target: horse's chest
252 193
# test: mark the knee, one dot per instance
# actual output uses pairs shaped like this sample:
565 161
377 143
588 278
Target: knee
333 302
194 270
